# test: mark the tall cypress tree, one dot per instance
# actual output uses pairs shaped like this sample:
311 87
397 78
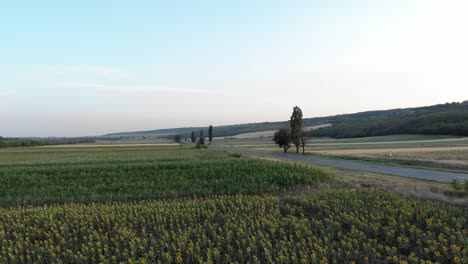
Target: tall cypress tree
296 124
210 133
193 138
201 140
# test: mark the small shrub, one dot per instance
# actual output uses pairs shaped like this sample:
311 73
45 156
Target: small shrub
201 146
235 155
455 185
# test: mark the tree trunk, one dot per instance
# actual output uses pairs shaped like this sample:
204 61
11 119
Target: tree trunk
303 150
297 149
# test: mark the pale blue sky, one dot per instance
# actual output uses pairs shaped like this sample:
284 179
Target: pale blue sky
94 67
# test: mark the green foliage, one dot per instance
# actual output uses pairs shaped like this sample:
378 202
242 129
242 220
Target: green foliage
462 187
200 145
364 226
210 133
177 138
235 155
16 142
201 140
192 137
296 124
57 175
455 185
282 138
451 119
6 143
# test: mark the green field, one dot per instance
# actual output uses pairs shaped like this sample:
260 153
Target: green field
93 174
183 205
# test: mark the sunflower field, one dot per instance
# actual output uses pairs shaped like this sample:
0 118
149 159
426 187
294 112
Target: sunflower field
182 205
364 226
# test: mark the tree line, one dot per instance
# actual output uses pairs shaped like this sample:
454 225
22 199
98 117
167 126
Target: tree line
446 122
19 142
200 140
295 134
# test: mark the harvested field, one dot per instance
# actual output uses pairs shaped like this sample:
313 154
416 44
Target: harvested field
382 143
455 155
270 133
384 151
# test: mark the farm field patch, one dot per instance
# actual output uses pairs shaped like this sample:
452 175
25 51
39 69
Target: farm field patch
364 226
444 152
383 142
270 133
428 153
447 155
150 204
99 174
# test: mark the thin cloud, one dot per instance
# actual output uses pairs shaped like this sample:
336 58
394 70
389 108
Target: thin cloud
139 88
6 93
95 70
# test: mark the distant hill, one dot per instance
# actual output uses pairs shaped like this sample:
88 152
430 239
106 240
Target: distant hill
441 119
220 131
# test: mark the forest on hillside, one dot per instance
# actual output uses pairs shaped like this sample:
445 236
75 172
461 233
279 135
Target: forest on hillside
441 119
446 119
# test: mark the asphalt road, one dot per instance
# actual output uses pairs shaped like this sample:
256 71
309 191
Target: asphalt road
423 174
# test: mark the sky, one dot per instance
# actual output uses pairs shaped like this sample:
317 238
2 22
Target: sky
83 68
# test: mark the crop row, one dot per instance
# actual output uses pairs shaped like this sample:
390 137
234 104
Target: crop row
365 226
49 156
130 175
